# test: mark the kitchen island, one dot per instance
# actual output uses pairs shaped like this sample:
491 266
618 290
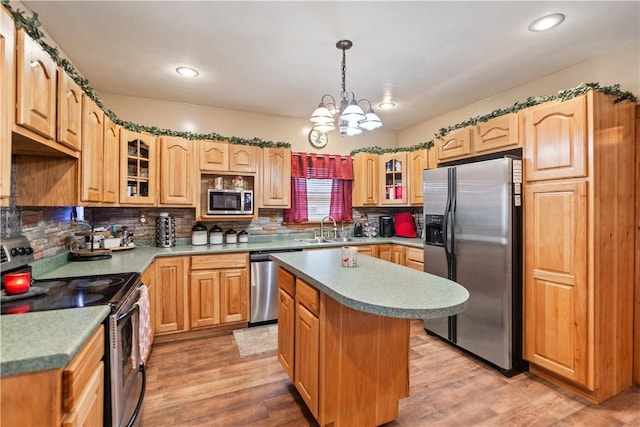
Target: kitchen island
343 332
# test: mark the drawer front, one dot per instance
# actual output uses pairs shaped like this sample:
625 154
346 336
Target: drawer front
308 296
286 281
209 262
79 371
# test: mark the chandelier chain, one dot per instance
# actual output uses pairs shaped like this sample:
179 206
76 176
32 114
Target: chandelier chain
344 70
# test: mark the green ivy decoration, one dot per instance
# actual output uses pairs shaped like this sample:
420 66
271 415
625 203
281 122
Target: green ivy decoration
31 25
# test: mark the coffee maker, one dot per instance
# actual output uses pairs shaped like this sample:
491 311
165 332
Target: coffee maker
386 226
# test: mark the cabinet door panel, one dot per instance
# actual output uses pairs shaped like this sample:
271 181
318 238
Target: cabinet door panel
92 154
69 111
36 79
366 184
499 133
276 178
170 299
307 350
454 145
418 162
555 143
286 330
111 161
234 295
214 156
177 180
557 336
393 171
7 98
205 298
243 158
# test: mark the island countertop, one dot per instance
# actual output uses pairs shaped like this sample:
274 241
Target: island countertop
376 286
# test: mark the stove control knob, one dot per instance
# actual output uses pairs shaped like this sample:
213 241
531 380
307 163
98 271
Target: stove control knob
22 251
29 250
14 252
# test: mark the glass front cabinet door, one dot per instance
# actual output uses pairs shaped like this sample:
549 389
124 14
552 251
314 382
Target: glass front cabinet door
137 168
394 178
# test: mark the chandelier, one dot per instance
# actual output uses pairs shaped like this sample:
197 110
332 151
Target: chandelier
348 116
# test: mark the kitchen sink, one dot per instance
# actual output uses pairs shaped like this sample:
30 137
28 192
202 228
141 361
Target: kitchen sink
342 240
318 240
312 241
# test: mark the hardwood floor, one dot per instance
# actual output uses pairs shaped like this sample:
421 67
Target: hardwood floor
204 382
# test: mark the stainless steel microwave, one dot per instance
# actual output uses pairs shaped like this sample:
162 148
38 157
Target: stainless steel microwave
229 202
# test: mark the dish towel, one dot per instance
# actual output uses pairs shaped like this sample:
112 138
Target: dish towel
144 327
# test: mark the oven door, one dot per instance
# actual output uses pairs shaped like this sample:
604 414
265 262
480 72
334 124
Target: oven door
128 379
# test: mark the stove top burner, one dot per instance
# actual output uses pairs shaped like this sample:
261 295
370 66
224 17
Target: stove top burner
71 292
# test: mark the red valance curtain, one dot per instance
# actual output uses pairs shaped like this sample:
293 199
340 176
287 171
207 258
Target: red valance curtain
312 166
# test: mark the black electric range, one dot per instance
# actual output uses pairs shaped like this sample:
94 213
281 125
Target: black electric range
59 293
71 292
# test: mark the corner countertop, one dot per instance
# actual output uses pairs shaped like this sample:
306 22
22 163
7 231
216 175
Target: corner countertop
45 340
376 286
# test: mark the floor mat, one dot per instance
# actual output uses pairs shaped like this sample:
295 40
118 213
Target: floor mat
256 340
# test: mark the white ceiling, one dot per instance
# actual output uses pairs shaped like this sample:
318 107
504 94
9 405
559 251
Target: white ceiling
280 57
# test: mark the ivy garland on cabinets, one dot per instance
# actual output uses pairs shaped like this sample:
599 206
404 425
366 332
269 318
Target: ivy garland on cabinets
31 24
562 95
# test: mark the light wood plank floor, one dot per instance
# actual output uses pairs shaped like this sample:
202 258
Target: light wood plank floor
204 382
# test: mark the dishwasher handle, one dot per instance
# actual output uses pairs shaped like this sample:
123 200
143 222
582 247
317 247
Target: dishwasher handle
262 256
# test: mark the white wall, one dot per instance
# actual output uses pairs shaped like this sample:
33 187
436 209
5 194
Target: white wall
621 67
202 119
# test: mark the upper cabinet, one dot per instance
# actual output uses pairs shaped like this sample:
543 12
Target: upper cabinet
454 145
177 172
555 136
219 156
7 48
111 191
419 160
275 182
69 111
366 184
393 171
36 79
92 158
497 134
138 162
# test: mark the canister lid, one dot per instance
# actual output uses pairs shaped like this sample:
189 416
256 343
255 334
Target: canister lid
215 229
232 231
199 227
243 233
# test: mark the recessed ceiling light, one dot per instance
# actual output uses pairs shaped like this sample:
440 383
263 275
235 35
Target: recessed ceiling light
387 105
187 71
546 22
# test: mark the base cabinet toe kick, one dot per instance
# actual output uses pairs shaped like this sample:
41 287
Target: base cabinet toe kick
350 366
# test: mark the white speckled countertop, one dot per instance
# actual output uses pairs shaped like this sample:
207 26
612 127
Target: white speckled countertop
46 340
376 286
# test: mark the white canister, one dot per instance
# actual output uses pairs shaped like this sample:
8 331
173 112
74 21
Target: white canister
349 256
243 237
231 236
216 237
199 234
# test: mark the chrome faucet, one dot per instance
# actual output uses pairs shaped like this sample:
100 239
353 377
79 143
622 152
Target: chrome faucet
335 226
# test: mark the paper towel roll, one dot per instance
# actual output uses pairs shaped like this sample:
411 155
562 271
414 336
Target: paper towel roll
349 256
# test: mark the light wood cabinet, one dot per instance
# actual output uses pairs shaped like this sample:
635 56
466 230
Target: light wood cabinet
414 258
275 185
171 294
177 172
497 134
342 358
393 172
36 86
7 98
219 289
92 156
556 140
578 243
307 345
110 191
69 396
366 184
286 320
149 280
419 160
367 250
138 161
384 252
397 254
70 113
455 145
220 156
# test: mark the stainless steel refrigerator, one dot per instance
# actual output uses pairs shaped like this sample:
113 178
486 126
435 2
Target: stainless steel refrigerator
473 228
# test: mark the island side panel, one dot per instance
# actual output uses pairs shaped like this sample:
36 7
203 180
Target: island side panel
364 367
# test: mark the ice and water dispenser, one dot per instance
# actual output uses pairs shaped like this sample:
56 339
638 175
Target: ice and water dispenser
433 230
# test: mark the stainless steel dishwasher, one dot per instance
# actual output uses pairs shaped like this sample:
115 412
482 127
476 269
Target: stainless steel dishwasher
264 287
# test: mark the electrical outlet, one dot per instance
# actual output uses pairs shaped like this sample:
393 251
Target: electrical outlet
142 218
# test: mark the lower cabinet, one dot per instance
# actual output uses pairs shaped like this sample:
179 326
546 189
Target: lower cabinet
219 289
367 250
338 357
171 282
70 396
414 258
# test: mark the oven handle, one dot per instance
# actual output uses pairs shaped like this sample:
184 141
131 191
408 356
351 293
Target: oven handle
128 314
142 369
